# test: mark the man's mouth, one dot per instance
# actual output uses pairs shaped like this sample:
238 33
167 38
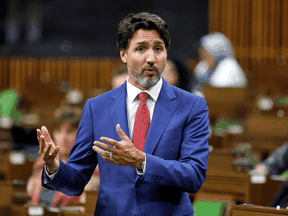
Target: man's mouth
150 72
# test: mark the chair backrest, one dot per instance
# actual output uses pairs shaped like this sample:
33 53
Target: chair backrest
270 77
226 102
267 125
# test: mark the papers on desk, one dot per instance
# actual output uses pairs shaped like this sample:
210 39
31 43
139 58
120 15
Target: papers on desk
35 210
256 177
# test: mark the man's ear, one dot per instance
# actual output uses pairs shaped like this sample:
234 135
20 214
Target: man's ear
123 55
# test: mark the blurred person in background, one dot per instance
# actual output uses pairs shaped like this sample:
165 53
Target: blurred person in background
64 134
218 66
119 77
177 74
276 163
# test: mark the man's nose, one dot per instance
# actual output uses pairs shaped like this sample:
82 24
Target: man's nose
150 57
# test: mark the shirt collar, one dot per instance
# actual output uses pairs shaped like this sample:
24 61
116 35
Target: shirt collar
133 91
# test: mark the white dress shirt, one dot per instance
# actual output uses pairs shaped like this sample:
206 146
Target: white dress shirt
133 102
132 105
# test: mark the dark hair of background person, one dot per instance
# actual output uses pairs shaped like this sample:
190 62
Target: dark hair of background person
143 20
70 117
117 74
185 75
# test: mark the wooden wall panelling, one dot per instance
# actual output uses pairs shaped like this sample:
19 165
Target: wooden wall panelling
284 27
265 52
278 17
271 32
106 67
92 74
74 73
83 75
247 29
254 28
212 11
4 74
235 31
231 17
62 68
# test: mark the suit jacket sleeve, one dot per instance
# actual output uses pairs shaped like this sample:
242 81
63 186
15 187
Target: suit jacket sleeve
188 172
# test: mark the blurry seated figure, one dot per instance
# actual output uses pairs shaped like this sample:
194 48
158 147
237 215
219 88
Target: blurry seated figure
170 73
177 74
218 66
64 134
276 163
119 77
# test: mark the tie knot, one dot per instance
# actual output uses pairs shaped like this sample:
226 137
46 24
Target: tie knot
143 96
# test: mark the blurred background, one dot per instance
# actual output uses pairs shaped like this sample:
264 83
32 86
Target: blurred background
54 55
89 28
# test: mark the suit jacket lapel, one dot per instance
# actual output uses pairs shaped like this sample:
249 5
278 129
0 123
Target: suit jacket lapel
118 108
164 109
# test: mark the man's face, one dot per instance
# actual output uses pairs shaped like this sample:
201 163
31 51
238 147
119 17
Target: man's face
145 58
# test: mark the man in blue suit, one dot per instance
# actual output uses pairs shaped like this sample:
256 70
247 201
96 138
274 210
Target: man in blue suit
140 173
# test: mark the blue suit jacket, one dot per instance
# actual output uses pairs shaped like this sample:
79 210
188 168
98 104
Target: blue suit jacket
176 155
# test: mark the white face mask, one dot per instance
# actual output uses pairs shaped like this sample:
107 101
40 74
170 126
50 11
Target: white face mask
201 69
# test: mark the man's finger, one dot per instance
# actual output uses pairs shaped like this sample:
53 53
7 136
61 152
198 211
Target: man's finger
54 154
102 152
42 144
121 133
110 141
46 152
46 134
103 146
38 134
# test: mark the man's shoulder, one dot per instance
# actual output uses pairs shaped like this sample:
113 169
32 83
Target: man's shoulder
183 94
112 94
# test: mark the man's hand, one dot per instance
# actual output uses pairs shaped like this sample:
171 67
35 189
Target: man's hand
123 152
48 150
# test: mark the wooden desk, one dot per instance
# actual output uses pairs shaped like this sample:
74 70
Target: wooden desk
222 180
69 213
226 103
91 200
238 210
11 193
9 171
13 210
260 143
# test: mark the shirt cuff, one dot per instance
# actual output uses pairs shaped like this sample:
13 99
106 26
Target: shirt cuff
48 177
140 171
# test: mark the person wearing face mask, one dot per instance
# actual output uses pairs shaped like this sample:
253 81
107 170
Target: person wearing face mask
218 66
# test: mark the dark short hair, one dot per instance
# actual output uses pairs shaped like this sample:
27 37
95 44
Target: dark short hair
70 117
120 71
143 20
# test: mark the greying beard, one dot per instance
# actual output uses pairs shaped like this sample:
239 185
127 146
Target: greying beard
148 81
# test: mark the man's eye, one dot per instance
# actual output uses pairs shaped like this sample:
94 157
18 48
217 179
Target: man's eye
158 49
140 49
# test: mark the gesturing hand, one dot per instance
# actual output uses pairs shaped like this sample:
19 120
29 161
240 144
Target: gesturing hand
48 150
123 152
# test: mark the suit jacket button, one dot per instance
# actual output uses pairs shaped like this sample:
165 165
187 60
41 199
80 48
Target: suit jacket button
138 184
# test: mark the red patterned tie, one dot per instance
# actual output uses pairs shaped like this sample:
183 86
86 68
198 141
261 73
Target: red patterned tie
141 123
